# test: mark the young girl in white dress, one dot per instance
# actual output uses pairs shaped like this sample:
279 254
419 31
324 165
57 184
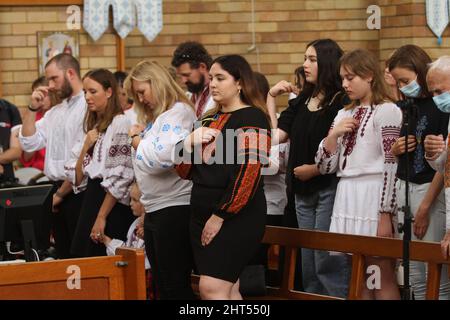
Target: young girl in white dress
358 148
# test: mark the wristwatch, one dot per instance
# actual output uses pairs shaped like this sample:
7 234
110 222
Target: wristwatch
130 138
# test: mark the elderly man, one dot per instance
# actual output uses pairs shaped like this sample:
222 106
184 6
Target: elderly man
438 81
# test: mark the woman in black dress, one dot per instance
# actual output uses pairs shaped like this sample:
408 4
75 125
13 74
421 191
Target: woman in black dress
224 159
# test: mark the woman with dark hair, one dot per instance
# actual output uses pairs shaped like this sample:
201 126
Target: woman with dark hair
228 204
103 168
35 159
409 65
306 122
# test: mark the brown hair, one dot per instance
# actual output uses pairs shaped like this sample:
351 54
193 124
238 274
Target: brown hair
42 81
107 80
364 64
165 89
65 61
415 59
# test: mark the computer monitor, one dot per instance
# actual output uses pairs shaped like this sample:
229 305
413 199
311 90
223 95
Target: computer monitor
25 216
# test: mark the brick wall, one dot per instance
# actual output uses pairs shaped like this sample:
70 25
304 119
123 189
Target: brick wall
283 28
404 22
18 47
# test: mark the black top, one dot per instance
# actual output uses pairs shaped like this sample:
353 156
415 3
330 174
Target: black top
9 117
306 130
425 119
229 182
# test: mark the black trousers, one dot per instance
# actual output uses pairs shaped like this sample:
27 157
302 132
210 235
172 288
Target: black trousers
168 247
65 222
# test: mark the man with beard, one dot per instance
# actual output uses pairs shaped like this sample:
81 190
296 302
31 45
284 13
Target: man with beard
58 131
192 63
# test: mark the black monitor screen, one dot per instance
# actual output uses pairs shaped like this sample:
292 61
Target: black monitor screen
26 203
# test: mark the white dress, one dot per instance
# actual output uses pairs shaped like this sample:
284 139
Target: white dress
366 169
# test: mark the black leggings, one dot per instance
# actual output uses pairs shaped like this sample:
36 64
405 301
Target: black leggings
168 247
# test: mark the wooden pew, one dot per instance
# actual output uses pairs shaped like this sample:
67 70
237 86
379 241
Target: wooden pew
120 277
359 247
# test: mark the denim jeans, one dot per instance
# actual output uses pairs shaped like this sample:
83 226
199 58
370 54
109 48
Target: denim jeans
321 273
435 233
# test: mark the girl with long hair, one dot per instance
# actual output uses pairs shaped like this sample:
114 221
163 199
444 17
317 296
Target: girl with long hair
357 149
305 123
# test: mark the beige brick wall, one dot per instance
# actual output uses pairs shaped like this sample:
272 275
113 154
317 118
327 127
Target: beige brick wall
283 28
18 47
404 22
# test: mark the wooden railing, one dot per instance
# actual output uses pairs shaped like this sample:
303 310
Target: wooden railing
358 247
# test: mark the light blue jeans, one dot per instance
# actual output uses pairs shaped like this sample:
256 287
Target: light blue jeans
321 273
435 233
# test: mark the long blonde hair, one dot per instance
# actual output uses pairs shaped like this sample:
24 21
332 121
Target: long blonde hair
165 91
364 64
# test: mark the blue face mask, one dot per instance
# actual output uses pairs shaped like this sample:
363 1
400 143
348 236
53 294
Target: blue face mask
411 90
442 101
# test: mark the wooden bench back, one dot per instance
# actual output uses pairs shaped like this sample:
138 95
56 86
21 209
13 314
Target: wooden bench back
101 278
359 247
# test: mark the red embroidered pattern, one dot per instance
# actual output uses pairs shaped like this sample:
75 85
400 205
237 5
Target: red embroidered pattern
365 122
389 135
349 139
184 170
447 166
245 188
201 102
210 148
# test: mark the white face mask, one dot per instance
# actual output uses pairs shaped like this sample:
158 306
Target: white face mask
412 89
442 101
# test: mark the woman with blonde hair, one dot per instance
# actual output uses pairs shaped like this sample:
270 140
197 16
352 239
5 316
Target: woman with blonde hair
358 148
168 114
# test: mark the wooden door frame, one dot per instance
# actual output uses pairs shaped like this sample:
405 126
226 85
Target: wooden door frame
120 43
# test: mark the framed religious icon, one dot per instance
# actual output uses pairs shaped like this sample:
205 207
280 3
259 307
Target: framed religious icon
51 43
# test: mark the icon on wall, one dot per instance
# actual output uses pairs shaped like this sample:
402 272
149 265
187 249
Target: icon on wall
51 43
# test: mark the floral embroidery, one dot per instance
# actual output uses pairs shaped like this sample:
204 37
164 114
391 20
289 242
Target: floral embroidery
177 129
419 162
166 127
349 139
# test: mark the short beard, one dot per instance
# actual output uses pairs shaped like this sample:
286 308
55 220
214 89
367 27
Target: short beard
196 87
66 90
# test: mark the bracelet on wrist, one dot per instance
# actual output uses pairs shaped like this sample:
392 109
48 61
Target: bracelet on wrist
32 109
270 94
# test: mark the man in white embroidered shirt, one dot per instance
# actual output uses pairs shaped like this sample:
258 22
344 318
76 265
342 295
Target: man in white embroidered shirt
58 131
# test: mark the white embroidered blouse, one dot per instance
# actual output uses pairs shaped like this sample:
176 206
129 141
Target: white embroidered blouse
366 150
110 161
